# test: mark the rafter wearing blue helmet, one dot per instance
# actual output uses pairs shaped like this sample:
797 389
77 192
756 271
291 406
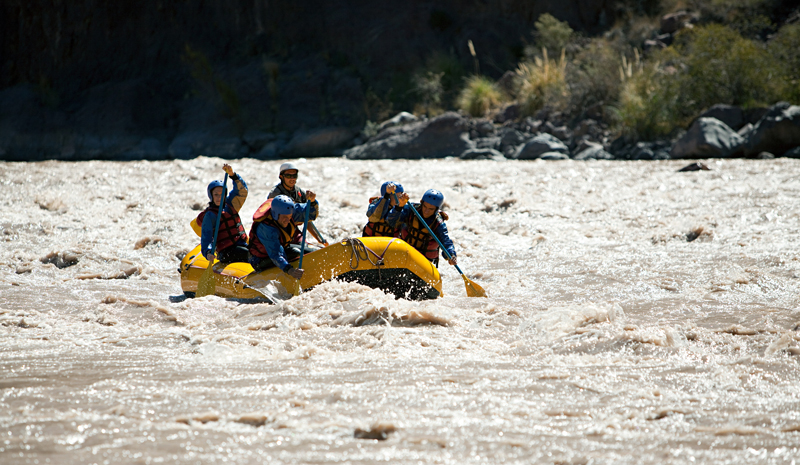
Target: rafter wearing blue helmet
275 237
415 233
378 209
231 238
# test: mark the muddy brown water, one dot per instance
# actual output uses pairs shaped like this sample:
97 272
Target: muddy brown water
635 315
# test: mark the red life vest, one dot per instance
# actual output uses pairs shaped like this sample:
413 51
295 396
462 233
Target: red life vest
417 235
231 230
287 235
379 228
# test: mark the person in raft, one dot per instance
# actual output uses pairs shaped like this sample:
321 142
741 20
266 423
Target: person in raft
415 233
275 237
378 209
231 238
288 186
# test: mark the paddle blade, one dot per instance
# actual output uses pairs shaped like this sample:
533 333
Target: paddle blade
207 285
473 290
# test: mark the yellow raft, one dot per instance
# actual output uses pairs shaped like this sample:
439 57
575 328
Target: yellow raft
384 263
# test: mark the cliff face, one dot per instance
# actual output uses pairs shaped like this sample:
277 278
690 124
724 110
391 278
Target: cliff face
156 68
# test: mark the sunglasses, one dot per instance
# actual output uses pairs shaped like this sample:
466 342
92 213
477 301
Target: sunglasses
290 176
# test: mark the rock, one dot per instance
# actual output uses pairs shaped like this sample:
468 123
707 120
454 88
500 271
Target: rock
731 115
507 113
148 149
399 119
674 22
695 167
776 132
196 143
270 151
256 140
481 154
443 136
510 140
754 115
765 156
793 153
319 142
540 145
487 143
484 127
553 156
708 138
587 127
651 44
745 129
507 82
592 151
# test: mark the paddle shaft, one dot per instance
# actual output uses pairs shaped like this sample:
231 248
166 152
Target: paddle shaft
219 215
305 230
419 217
317 234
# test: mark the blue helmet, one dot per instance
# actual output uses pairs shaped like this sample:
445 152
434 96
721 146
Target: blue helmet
211 186
397 185
433 197
281 205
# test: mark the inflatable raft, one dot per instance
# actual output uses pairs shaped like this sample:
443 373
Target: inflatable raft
384 263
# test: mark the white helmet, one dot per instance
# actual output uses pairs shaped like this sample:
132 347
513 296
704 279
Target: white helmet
286 167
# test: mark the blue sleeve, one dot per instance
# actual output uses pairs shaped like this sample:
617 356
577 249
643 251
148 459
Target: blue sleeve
299 214
444 238
270 237
207 233
377 210
237 195
398 216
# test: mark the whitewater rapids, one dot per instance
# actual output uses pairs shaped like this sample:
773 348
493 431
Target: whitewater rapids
636 315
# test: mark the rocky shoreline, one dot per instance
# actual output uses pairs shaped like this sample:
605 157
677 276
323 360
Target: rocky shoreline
723 131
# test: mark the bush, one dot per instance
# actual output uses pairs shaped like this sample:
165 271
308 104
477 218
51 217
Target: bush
720 66
550 34
428 87
593 76
478 96
648 106
785 49
542 84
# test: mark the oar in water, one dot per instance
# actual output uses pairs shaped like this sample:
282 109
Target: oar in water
473 290
297 290
207 284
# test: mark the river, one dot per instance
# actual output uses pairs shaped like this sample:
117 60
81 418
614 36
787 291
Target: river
636 315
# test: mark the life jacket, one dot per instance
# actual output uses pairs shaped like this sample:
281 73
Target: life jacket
287 235
297 195
231 230
417 235
379 228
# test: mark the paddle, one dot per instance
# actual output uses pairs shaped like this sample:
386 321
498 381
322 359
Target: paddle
207 284
317 235
298 289
473 290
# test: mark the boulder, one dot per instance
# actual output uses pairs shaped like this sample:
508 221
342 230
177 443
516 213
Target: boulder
399 119
511 140
443 136
319 142
507 113
553 156
708 138
793 153
539 145
777 132
592 151
481 154
731 115
200 143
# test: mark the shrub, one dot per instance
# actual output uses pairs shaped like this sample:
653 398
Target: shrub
550 34
542 83
478 96
428 87
720 66
648 106
785 49
593 76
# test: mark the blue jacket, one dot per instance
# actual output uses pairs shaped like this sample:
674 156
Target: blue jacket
271 237
233 203
402 216
378 209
